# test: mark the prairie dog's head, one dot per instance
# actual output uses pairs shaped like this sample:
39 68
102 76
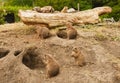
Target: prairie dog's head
74 52
64 10
68 25
75 49
65 7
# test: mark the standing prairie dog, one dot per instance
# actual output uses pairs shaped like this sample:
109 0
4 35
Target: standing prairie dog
117 76
64 10
52 66
71 32
42 32
78 56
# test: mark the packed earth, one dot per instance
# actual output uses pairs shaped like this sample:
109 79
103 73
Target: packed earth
98 43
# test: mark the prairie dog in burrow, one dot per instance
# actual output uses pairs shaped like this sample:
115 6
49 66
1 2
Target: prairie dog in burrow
52 66
42 32
78 56
71 32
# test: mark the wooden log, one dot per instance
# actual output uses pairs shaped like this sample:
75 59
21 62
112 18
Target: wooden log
60 19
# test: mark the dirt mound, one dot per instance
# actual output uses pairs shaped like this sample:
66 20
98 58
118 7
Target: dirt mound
21 55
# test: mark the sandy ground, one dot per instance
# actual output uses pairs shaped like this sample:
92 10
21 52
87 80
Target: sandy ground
99 44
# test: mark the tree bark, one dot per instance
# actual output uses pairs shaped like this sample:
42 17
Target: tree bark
60 19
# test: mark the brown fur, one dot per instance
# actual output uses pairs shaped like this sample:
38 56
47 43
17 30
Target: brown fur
42 32
52 67
79 58
117 76
64 10
71 32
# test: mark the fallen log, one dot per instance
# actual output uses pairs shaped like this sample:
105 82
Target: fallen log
60 19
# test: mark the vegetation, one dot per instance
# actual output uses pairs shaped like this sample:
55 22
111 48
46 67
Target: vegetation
27 30
15 5
10 9
100 37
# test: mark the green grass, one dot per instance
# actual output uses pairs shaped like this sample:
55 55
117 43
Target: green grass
27 30
10 9
100 37
115 38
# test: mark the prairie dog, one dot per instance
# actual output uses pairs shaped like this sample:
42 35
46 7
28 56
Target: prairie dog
42 32
64 10
78 56
52 66
71 32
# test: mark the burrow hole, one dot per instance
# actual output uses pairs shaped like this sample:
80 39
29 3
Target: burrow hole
32 60
3 52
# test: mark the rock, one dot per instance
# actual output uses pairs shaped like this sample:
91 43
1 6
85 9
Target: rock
71 10
62 33
45 9
38 9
